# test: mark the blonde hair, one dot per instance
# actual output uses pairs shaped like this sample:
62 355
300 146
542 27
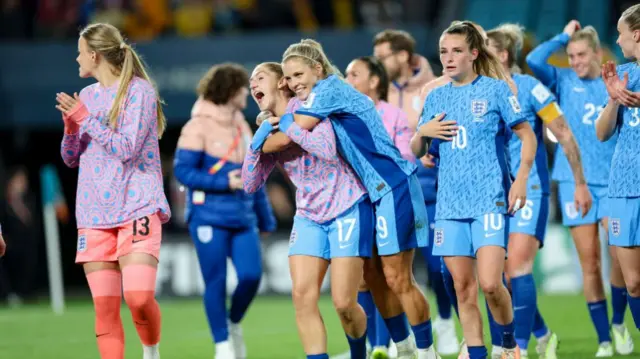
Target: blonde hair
510 38
107 41
486 64
631 16
312 53
589 34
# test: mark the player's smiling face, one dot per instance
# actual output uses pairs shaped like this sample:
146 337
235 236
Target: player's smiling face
456 56
582 57
300 76
264 88
627 40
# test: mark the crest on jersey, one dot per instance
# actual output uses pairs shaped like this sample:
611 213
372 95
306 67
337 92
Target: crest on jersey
515 105
309 101
293 238
479 107
438 237
615 226
82 243
205 234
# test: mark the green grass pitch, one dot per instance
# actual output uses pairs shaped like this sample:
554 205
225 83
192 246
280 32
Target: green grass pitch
269 328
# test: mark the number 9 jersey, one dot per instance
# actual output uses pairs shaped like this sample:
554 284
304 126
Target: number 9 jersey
474 178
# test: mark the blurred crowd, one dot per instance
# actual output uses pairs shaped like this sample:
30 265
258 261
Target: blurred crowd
144 20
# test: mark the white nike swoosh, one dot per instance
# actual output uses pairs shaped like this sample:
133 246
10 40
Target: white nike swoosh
520 308
343 247
487 235
522 224
382 244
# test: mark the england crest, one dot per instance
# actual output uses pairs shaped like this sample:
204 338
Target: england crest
82 243
478 108
615 226
438 237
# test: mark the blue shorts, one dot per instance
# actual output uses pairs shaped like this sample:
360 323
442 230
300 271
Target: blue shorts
401 219
624 222
570 216
349 235
433 262
532 218
463 237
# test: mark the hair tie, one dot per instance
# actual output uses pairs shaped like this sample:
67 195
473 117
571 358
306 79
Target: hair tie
123 45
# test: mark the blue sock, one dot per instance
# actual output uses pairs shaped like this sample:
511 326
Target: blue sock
318 356
539 326
508 339
494 328
436 282
398 327
447 281
618 304
358 347
423 334
634 305
478 352
382 337
524 308
600 319
366 302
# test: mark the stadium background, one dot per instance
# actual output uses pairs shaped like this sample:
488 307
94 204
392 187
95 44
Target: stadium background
180 40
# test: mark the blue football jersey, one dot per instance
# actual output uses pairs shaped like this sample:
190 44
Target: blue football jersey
360 134
473 176
534 97
625 165
581 101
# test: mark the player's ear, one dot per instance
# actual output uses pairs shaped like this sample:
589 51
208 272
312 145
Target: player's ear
318 69
373 82
282 83
474 54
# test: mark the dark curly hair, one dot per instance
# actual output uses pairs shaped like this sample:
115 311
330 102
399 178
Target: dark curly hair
222 82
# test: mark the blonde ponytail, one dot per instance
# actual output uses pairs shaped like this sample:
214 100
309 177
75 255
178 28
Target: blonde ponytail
107 41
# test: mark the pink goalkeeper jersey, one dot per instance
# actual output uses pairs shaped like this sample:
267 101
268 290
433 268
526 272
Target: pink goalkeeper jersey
120 175
397 126
326 186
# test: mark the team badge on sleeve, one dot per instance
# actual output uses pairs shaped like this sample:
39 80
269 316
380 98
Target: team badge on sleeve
515 105
479 108
615 226
540 93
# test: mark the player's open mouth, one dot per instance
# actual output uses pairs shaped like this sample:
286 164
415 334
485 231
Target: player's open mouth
451 68
259 95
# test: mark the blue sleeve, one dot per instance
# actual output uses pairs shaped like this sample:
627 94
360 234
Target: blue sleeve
538 57
264 212
509 106
326 99
186 169
539 96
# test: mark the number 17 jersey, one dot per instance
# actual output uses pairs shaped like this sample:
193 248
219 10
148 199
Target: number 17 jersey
473 179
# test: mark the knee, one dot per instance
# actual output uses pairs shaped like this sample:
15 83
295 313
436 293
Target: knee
139 299
466 289
490 286
591 266
344 305
400 281
633 286
249 279
305 299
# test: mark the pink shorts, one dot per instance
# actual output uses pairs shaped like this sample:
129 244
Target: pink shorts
142 235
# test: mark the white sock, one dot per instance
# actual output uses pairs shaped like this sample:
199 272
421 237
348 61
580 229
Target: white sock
151 351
